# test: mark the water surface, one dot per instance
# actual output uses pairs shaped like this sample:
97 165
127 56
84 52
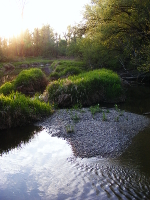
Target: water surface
34 165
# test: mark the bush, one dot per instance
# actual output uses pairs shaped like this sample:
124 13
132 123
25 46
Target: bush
87 88
17 109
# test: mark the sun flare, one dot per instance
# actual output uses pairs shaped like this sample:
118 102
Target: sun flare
58 14
11 15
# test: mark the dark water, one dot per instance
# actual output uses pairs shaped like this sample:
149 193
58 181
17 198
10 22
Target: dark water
34 165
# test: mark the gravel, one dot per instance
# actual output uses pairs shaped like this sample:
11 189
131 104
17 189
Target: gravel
105 134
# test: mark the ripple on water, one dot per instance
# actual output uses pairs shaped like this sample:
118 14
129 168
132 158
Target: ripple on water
45 168
110 180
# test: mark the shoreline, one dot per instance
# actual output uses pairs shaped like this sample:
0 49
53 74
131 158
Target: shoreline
105 134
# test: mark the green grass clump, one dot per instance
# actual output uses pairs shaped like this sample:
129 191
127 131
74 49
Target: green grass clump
66 68
17 109
6 88
65 72
88 88
95 109
29 77
31 80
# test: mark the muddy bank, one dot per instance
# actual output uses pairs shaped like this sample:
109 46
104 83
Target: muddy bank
106 134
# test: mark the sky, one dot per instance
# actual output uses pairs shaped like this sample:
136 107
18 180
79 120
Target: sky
57 13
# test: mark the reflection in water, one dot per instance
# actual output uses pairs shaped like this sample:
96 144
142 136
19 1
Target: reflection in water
14 138
45 168
139 152
34 169
138 99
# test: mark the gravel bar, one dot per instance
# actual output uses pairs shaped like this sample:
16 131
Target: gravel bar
105 134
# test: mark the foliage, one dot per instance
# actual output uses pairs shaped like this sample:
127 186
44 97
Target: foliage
62 47
87 88
120 31
17 110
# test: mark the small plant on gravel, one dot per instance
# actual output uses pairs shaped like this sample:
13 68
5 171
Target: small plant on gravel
107 111
121 113
77 106
104 117
116 108
69 129
117 119
75 117
95 109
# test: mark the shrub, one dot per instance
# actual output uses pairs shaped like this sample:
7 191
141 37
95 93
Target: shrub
17 109
86 88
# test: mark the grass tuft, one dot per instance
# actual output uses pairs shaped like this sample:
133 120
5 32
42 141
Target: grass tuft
32 80
66 68
87 88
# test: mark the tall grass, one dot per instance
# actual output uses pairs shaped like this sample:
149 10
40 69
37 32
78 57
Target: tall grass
17 109
87 88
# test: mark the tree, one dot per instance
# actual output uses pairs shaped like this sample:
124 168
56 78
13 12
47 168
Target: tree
28 40
47 40
36 42
62 46
122 30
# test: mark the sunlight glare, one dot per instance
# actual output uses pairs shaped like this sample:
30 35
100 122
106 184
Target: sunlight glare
58 14
11 22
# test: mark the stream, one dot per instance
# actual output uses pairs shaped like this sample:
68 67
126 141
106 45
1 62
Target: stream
34 165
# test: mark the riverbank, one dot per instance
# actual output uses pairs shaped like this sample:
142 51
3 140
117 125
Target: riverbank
105 134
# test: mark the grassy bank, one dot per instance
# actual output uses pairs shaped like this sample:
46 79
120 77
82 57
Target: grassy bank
87 88
17 110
